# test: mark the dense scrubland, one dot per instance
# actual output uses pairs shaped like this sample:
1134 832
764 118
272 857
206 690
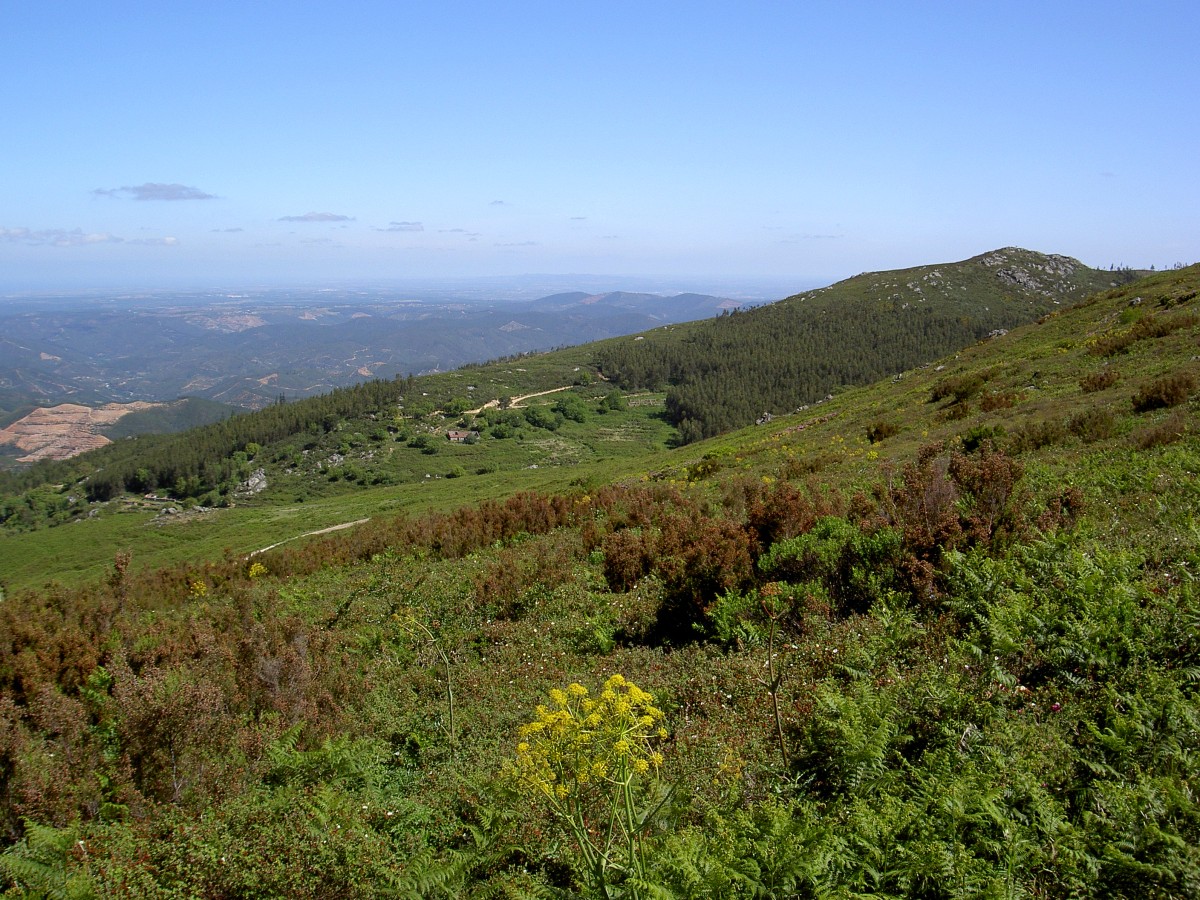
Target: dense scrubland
935 637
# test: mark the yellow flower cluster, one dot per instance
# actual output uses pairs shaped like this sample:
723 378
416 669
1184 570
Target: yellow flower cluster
579 743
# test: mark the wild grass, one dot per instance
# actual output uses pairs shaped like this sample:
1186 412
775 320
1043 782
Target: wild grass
950 663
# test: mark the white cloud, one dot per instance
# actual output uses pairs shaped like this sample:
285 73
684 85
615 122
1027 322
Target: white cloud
75 237
156 242
318 217
153 190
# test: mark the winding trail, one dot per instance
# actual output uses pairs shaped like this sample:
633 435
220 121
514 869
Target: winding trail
515 403
296 537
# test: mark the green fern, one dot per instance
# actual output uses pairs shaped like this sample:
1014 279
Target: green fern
41 865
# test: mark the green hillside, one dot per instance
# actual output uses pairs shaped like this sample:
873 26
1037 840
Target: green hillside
935 637
593 407
726 374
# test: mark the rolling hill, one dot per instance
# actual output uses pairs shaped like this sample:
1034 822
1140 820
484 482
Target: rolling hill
714 375
773 359
936 636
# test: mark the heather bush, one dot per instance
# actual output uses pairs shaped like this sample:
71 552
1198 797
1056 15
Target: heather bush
1145 328
1094 424
628 557
990 504
881 430
1037 435
1099 381
1170 430
995 400
783 510
1170 390
958 387
697 560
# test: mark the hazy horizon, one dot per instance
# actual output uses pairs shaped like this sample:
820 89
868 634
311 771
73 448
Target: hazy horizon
206 145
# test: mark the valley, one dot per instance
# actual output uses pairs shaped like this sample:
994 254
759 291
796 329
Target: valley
249 349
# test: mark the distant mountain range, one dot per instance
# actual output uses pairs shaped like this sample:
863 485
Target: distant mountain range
248 350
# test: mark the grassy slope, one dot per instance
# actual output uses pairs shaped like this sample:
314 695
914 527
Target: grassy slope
1031 733
606 448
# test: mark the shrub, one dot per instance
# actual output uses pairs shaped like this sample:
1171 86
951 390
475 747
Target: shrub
957 411
988 483
999 400
958 387
572 407
543 417
923 505
1169 431
628 557
614 401
975 438
1168 391
855 567
1099 381
1036 435
709 465
1095 424
881 431
698 559
1144 329
784 511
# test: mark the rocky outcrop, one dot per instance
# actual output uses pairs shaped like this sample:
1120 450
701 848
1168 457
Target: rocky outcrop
254 484
1017 267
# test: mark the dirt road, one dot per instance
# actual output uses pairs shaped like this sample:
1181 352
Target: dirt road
296 537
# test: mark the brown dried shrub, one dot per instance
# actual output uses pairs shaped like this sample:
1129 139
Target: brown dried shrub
999 400
1170 430
1170 390
1099 381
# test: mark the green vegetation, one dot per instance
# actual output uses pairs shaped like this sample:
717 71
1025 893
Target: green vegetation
190 412
935 638
717 375
724 374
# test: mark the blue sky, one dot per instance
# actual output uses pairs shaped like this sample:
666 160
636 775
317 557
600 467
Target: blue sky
225 143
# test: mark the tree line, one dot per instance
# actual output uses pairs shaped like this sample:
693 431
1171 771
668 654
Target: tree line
728 371
202 459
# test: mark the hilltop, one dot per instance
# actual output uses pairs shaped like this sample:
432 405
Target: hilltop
933 637
629 397
773 359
